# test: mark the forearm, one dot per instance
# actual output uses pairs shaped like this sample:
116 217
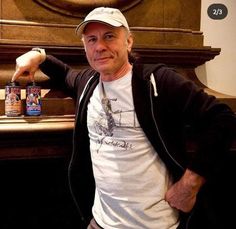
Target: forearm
54 68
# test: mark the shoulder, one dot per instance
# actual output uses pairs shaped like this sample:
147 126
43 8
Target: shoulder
161 72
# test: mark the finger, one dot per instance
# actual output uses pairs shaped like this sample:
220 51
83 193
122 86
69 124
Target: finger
16 75
31 75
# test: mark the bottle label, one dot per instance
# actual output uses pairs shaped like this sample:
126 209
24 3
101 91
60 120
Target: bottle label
33 100
12 100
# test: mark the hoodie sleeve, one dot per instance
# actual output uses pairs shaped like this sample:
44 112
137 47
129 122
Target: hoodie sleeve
62 75
214 122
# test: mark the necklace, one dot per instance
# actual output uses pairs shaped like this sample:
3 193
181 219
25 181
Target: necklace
106 105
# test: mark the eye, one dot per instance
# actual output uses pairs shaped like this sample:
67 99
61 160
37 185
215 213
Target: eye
91 40
109 36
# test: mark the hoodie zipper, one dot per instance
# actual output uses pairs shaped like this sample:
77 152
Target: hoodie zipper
86 87
153 83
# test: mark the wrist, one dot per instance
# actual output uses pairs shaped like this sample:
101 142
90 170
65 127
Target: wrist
193 180
42 53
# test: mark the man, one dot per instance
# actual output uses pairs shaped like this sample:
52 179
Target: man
129 167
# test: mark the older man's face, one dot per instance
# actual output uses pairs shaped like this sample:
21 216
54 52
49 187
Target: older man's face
107 48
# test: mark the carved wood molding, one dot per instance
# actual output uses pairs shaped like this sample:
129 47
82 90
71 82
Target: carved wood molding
38 24
183 57
79 8
64 34
176 56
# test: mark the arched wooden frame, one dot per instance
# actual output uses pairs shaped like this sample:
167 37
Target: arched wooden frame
79 8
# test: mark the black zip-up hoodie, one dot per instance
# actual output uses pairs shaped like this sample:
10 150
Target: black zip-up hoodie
168 108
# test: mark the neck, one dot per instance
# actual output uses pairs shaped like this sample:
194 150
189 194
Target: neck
114 76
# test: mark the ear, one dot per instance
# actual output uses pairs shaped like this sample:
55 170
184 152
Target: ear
82 39
130 42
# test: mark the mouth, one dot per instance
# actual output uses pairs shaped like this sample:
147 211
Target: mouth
101 59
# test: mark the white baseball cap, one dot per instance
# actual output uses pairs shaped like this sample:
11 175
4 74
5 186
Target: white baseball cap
105 15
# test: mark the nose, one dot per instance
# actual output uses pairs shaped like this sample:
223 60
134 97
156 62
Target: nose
100 45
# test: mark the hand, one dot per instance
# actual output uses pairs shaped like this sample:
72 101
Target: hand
27 64
182 194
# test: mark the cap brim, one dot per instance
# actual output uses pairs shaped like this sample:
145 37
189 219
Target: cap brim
80 28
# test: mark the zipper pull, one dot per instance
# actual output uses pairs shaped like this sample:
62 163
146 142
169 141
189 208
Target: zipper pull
153 82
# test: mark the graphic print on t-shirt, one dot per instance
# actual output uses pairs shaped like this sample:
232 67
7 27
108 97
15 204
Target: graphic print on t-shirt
111 120
112 115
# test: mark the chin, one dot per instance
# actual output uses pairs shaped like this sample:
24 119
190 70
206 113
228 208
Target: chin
103 68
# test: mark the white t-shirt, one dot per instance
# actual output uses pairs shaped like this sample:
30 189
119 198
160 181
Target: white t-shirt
131 180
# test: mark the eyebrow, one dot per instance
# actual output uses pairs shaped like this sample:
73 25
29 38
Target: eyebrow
106 33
